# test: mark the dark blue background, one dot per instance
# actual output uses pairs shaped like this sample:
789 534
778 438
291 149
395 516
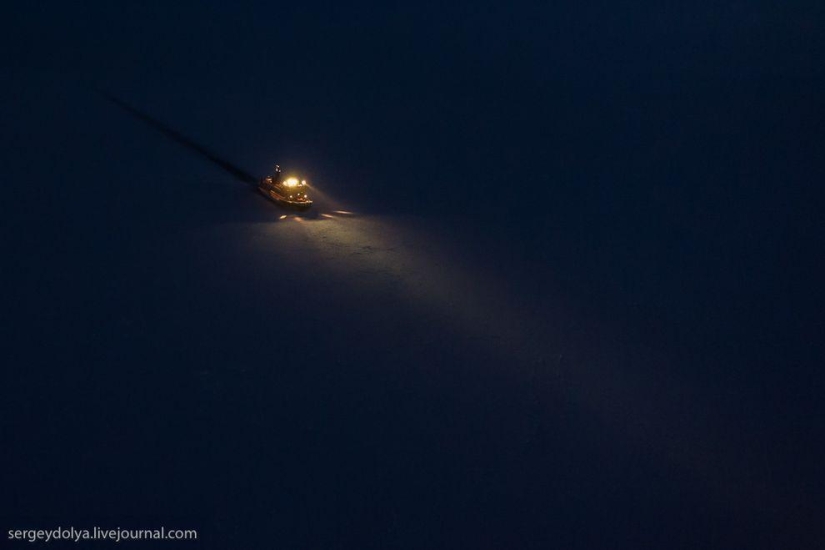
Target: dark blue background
636 189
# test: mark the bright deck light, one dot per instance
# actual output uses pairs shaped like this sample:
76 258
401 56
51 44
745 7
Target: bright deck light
291 182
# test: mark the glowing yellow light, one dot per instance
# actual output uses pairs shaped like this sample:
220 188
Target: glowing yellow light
282 217
328 216
303 182
291 182
342 212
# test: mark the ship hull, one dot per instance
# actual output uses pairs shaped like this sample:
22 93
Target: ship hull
272 194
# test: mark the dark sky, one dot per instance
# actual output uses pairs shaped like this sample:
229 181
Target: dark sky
577 302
